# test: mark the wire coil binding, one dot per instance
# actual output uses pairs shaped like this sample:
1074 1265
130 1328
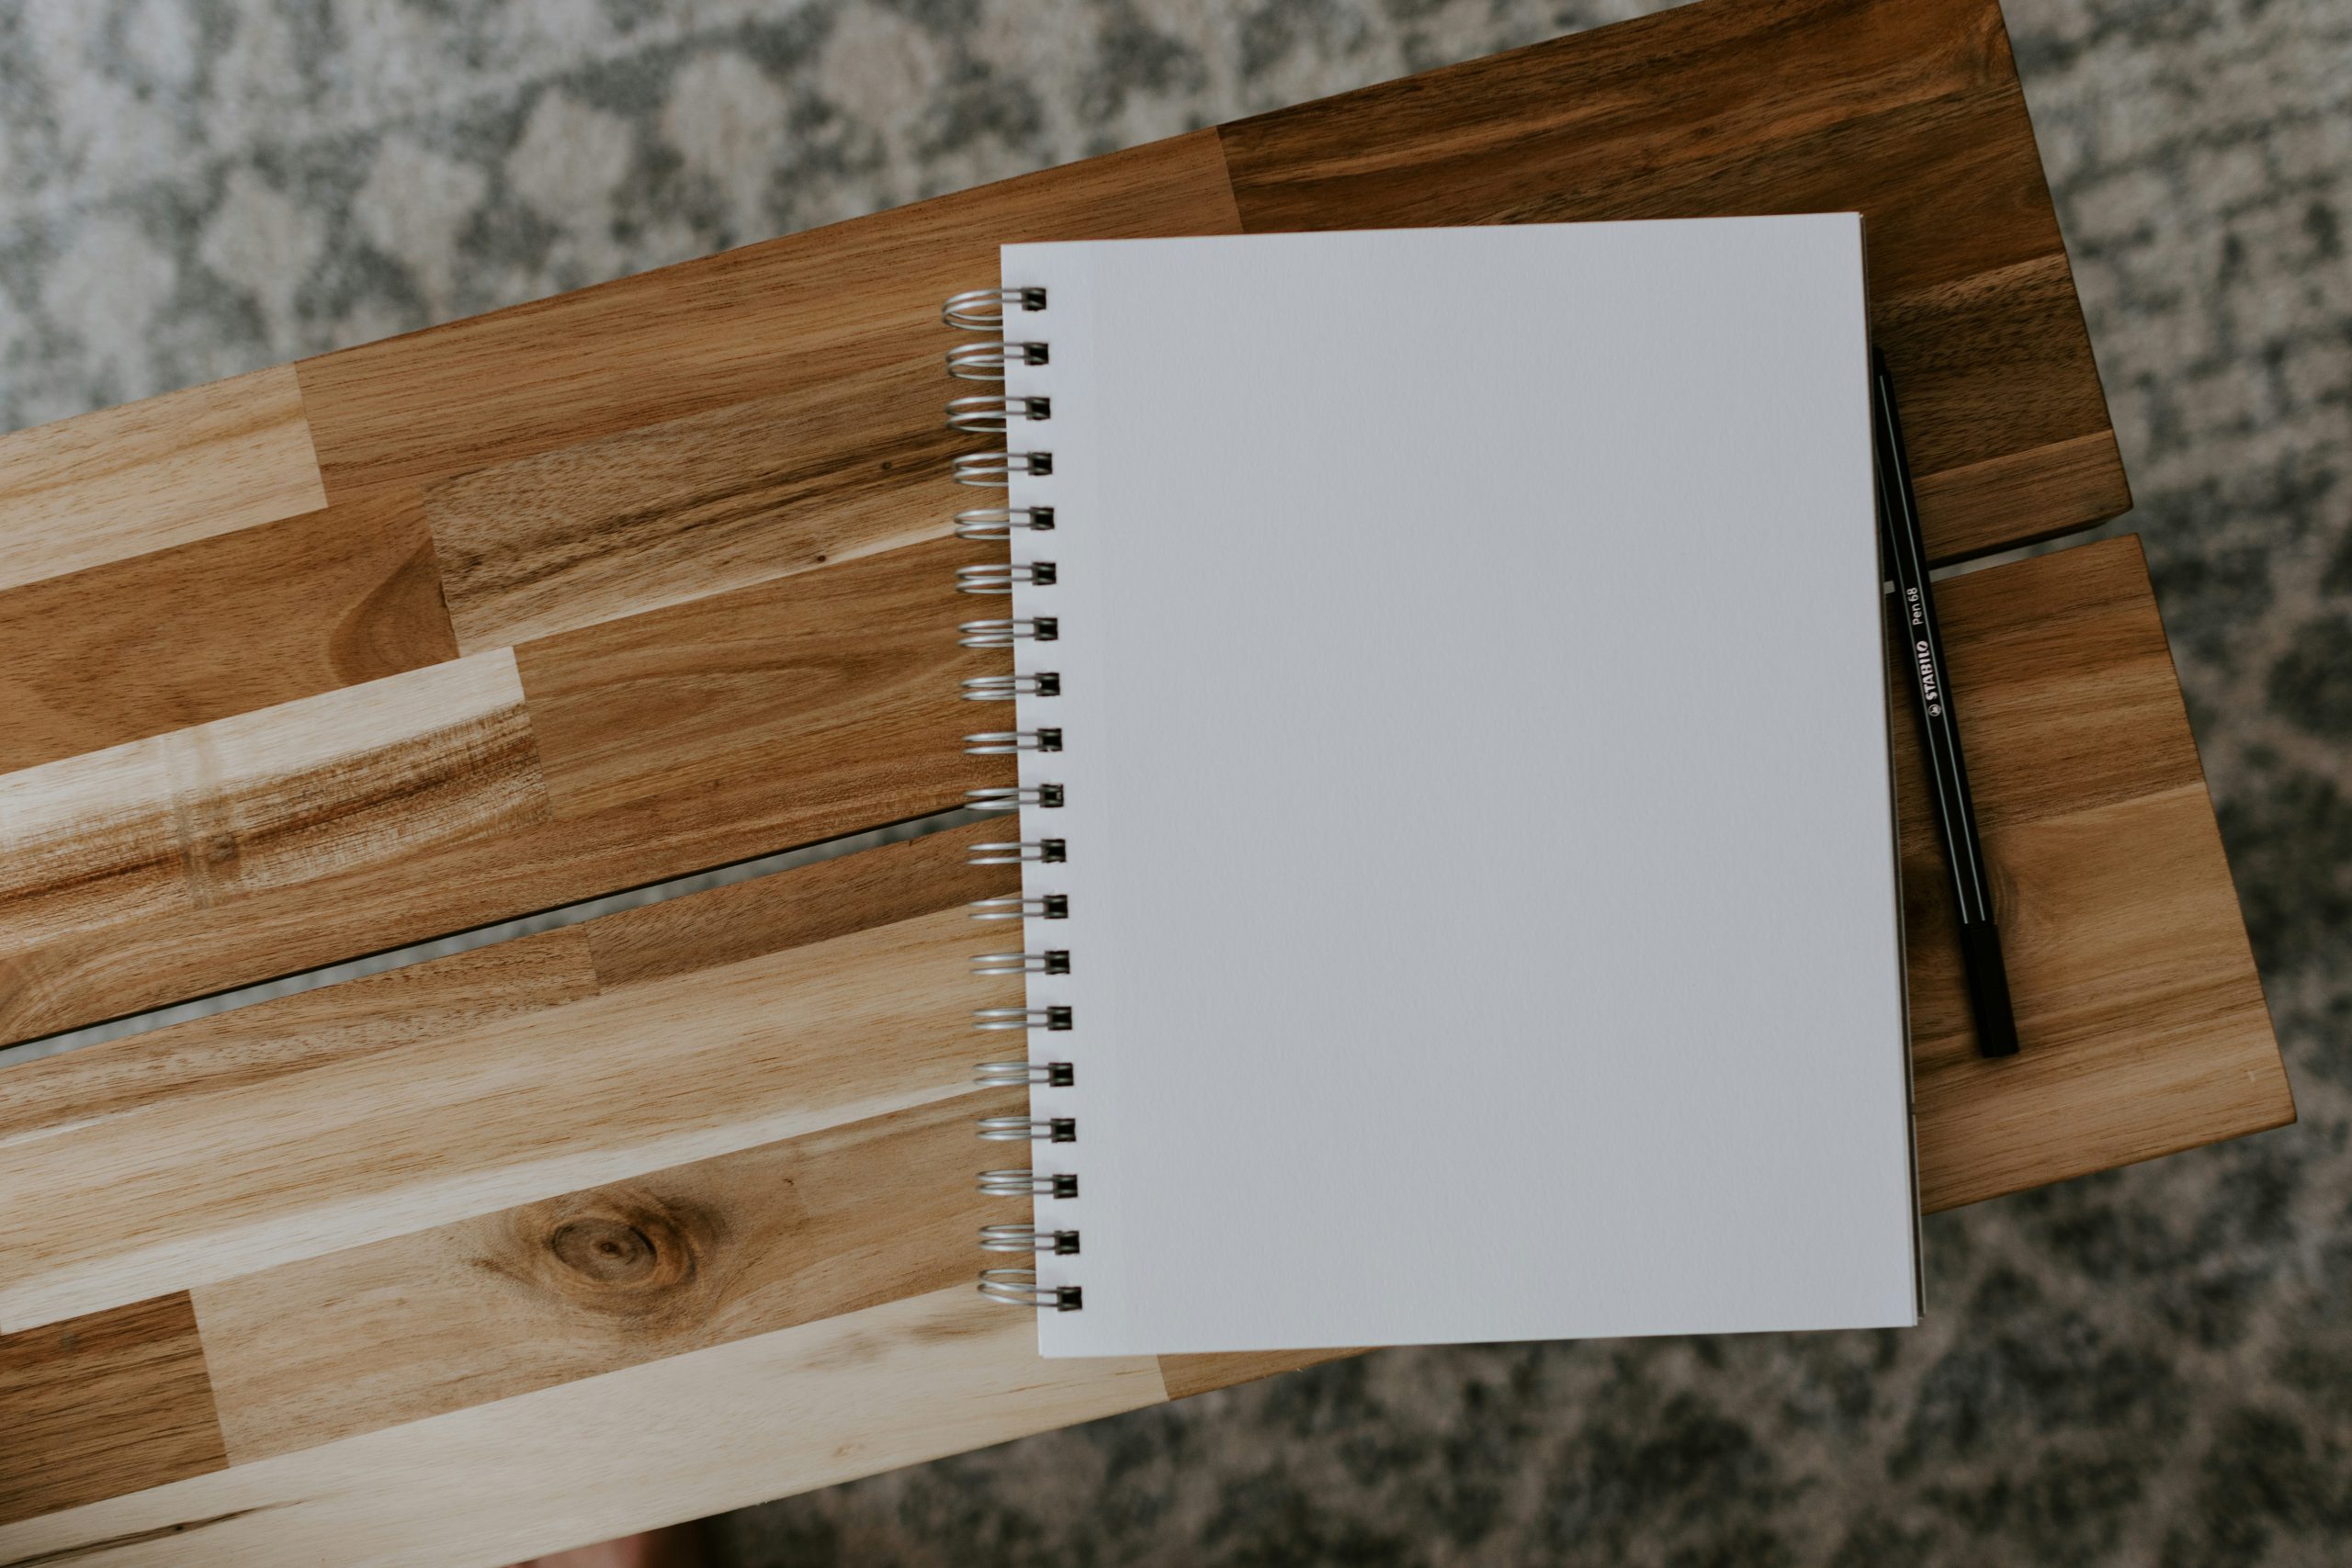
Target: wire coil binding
1027 1238
1005 633
1020 1288
1001 414
982 524
989 361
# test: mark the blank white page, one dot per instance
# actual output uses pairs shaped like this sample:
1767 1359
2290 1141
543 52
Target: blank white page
1483 920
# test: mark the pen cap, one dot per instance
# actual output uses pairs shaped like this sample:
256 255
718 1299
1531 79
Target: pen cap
1988 990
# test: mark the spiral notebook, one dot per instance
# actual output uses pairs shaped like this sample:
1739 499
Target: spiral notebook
1459 886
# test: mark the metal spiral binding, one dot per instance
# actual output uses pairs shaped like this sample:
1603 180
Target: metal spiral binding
1005 742
993 311
1005 1075
1028 1184
1052 907
1005 633
1027 1238
998 797
986 522
1018 1287
1004 688
988 361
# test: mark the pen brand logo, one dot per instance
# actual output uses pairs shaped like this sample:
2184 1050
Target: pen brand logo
1927 688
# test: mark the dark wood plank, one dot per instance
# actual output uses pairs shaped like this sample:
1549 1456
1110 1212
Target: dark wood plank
1189 1375
1906 111
96 1406
815 903
222 625
800 709
691 507
789 316
2142 1014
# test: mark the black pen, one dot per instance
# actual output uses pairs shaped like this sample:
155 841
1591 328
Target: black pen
1907 560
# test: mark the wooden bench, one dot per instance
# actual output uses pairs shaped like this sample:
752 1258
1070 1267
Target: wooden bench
670 1211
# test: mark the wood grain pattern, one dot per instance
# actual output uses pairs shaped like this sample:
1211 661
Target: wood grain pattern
217 628
842 684
671 1439
795 315
100 1406
511 1111
2142 1014
1906 111
148 476
593 1282
192 823
780 713
285 1035
685 508
341 1120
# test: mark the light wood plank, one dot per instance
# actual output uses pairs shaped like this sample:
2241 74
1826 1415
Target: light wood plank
219 626
671 1439
148 476
315 1136
285 1035
592 1281
1906 111
789 316
100 1406
511 1111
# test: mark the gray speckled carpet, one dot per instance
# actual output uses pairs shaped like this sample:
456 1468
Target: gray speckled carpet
2151 1367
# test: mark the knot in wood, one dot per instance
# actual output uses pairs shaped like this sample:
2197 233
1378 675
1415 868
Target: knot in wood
628 1254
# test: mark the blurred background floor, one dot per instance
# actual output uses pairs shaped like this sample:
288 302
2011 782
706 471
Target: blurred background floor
2150 1367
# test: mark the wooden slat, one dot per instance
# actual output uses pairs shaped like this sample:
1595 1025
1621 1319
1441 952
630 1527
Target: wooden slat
592 1281
100 1406
219 626
275 1039
1906 111
793 316
148 476
780 713
671 1439
315 1137
195 818
814 705
2141 1011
